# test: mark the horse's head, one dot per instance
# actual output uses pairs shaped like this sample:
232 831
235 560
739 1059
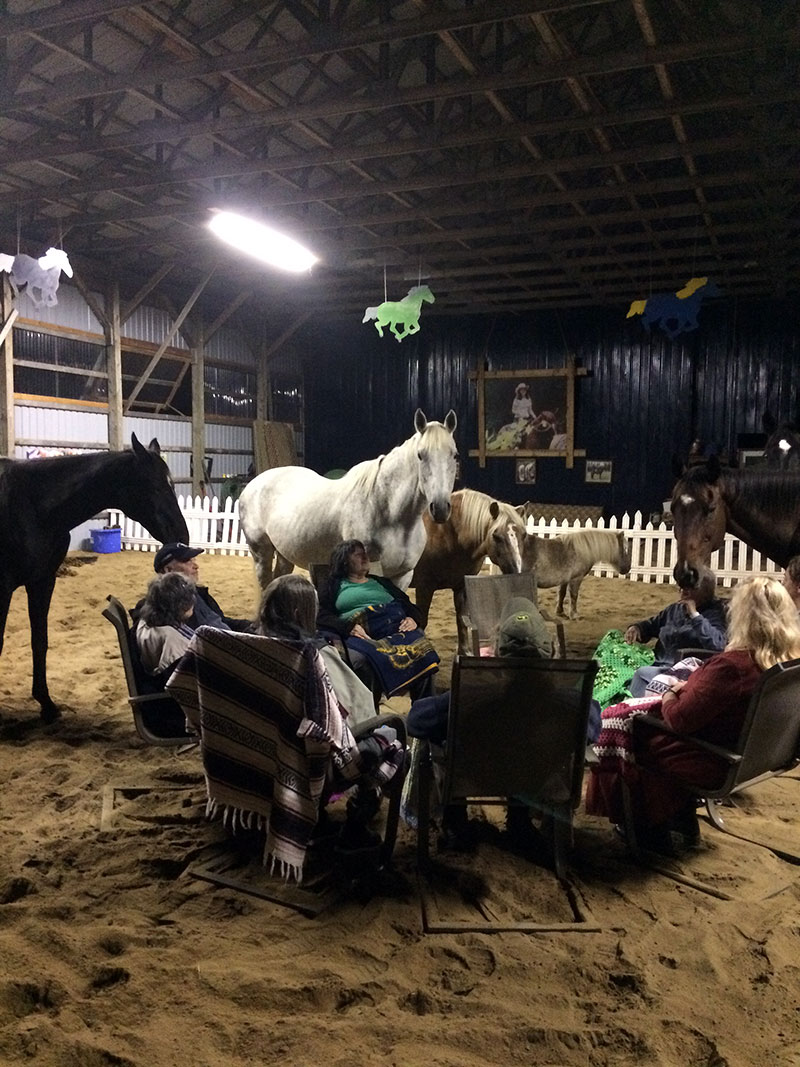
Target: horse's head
699 517
505 540
149 495
782 450
57 257
437 457
423 292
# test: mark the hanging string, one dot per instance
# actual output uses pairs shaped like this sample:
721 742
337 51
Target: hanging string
419 271
563 335
19 226
385 294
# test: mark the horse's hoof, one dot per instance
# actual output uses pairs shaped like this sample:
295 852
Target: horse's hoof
50 713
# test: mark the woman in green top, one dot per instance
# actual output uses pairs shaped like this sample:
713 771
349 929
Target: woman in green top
377 620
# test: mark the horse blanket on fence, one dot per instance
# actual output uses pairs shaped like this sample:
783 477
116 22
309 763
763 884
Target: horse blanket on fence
398 659
269 728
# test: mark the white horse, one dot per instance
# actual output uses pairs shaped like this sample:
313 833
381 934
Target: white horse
565 561
406 311
299 517
43 274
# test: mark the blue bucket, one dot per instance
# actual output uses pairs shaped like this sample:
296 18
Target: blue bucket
106 540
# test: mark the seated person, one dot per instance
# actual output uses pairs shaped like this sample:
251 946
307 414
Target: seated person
177 558
696 620
378 624
289 613
791 580
521 633
162 631
710 704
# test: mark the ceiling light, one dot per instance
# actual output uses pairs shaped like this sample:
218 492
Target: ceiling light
262 242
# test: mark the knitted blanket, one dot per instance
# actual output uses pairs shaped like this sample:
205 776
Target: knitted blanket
269 726
614 745
618 662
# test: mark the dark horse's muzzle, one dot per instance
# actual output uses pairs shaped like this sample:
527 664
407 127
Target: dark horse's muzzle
440 510
686 576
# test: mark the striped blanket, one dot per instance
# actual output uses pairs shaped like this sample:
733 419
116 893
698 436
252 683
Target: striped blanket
270 727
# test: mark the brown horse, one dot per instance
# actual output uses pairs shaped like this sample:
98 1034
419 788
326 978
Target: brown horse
478 526
761 507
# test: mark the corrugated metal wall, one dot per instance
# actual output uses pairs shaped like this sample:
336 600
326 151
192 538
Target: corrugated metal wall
646 396
71 310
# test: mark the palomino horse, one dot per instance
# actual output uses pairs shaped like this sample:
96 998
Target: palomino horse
41 500
478 526
406 311
565 561
43 274
677 312
761 507
298 517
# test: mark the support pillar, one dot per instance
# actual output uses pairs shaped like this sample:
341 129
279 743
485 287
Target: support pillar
198 411
7 315
113 331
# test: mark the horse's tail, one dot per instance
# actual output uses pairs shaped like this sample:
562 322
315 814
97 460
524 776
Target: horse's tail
370 313
637 308
6 262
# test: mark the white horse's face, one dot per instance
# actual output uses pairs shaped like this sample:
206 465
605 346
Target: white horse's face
437 458
57 257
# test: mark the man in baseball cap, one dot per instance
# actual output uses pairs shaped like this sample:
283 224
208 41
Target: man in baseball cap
178 557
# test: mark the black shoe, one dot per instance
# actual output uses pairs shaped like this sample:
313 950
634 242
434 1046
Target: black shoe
657 839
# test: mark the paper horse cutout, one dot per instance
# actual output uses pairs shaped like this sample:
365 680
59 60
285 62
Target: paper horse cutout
675 313
43 274
405 311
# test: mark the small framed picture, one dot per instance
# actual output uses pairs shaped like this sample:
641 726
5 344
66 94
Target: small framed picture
598 471
526 471
752 457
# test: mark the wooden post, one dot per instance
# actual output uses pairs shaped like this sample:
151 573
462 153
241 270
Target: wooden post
113 331
7 315
198 411
263 390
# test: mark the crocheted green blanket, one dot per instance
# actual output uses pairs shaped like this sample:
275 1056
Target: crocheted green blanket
618 663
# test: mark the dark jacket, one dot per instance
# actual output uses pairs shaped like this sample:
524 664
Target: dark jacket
329 620
675 630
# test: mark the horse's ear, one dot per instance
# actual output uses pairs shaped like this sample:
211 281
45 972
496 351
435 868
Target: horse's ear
678 466
494 509
420 422
154 446
450 421
137 446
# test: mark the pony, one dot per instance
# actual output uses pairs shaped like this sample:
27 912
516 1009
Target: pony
293 516
406 311
479 526
41 500
675 313
43 274
759 506
565 561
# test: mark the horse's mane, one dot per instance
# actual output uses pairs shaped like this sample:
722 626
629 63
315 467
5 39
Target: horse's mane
595 546
774 491
475 517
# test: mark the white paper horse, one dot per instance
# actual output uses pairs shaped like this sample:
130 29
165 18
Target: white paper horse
406 311
299 517
43 274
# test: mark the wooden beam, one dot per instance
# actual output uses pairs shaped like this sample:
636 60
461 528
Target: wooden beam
114 369
8 313
223 317
166 342
198 414
272 350
145 290
98 312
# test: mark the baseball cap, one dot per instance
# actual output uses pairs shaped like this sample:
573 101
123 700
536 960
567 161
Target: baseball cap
522 631
174 550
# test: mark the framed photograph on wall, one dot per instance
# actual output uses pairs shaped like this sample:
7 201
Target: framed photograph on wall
526 472
598 471
751 457
527 413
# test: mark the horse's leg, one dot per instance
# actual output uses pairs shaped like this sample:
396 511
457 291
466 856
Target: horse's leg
423 595
574 589
263 553
379 327
460 606
39 596
282 565
562 592
5 603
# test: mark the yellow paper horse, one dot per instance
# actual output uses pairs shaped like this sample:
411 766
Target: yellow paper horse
405 311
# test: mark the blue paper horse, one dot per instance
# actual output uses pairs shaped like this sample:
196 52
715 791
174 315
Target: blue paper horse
675 313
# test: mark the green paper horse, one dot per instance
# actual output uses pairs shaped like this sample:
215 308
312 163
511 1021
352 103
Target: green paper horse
405 311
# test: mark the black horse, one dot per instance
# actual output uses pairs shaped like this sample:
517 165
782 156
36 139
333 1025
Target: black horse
41 500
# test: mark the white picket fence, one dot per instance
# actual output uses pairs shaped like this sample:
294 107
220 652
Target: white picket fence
652 547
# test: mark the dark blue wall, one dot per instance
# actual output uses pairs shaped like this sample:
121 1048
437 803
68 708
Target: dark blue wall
644 399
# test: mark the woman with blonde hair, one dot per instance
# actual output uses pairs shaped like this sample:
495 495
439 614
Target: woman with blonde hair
711 705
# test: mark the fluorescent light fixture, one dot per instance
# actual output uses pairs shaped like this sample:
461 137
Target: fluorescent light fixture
262 242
